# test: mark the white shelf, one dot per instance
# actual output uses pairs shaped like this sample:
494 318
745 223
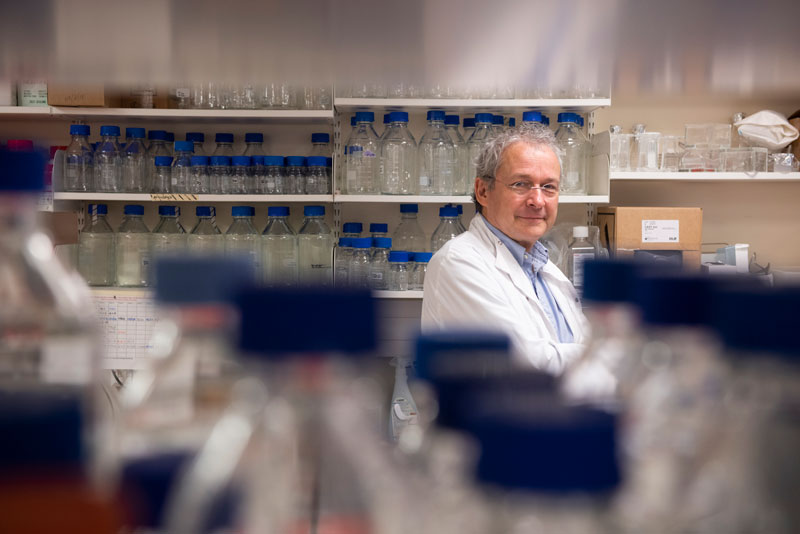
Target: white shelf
146 197
199 115
354 104
397 294
583 199
706 176
403 199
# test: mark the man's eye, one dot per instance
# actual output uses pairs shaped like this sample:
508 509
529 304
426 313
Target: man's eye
549 188
521 185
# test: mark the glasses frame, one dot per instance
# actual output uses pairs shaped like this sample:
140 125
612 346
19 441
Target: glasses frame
545 189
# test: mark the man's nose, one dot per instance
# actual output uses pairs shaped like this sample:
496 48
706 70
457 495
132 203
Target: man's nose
536 198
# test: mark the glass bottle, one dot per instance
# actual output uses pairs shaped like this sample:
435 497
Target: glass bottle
436 158
254 144
257 182
182 166
274 178
205 236
162 175
239 175
170 143
158 147
316 177
468 126
132 256
448 227
341 264
96 248
242 239
482 133
530 117
219 173
200 183
460 179
224 145
408 235
315 248
398 166
352 229
320 145
497 125
279 248
295 175
79 160
169 235
580 250
574 154
398 271
107 161
363 158
379 264
416 278
134 162
198 139
378 230
359 268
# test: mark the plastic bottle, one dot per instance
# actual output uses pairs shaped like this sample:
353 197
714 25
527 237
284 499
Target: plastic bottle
316 176
162 175
341 264
574 153
135 178
96 248
436 158
460 180
416 278
403 408
79 160
132 256
219 173
359 269
182 166
279 245
408 235
580 250
398 271
295 175
206 237
239 175
482 133
379 264
448 227
320 145
198 139
468 125
108 162
315 248
158 147
274 177
362 165
200 181
242 238
224 145
398 166
352 229
169 236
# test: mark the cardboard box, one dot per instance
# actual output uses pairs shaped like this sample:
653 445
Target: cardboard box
658 234
88 95
132 97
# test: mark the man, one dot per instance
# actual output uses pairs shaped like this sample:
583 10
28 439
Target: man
497 274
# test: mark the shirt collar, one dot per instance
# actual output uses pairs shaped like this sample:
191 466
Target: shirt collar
536 259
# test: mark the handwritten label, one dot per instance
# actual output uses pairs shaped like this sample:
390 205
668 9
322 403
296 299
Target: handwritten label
174 197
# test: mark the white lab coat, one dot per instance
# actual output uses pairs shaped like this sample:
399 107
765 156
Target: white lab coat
473 281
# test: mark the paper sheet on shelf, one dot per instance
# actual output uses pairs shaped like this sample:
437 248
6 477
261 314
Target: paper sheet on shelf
128 323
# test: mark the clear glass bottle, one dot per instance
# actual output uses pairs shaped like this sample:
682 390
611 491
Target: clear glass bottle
320 145
530 117
96 248
199 182
448 227
162 175
182 166
468 126
274 177
362 163
169 235
205 237
224 145
171 143
279 248
416 278
257 182
378 230
158 147
135 178
79 160
460 180
341 169
295 175
436 158
580 250
385 127
482 133
352 229
316 176
398 271
341 263
242 238
574 154
219 173
239 175
498 126
359 268
254 144
108 162
132 256
379 264
408 235
398 158
315 248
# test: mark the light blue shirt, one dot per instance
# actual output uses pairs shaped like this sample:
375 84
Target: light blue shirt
532 263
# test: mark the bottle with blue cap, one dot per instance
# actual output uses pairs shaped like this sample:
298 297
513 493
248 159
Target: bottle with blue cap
436 158
385 127
242 240
157 147
132 256
162 175
219 174
199 180
96 248
224 145
320 145
108 161
206 237
408 235
341 169
574 154
448 227
79 160
240 176
171 143
362 164
315 248
451 123
135 178
530 117
279 245
358 270
397 279
317 181
254 144
416 278
379 264
483 132
295 175
198 139
341 262
169 236
274 176
352 229
182 166
378 230
397 168
468 126
498 124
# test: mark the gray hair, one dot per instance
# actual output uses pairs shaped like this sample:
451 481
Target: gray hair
491 155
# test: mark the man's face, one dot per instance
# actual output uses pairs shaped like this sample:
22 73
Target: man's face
523 217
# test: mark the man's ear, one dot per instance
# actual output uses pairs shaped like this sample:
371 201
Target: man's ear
481 191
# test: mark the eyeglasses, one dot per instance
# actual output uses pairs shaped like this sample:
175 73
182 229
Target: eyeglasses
522 188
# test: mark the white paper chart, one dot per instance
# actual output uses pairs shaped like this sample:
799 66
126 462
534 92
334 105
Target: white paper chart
128 318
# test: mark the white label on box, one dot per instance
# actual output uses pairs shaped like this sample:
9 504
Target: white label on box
661 231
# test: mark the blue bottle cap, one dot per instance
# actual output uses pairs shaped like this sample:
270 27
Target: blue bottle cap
378 228
278 211
253 137
411 256
168 211
356 149
382 242
568 117
220 160
512 122
546 120
243 211
484 117
99 209
352 228
21 170
398 256
109 130
398 116
79 129
163 161
320 138
365 116
223 138
531 116
386 118
352 121
423 257
157 135
674 299
469 122
295 161
362 242
316 161
448 211
580 121
258 161
452 119
313 211
609 281
345 242
436 115
170 137
329 162
460 209
184 278
274 161
184 146
497 119
133 209
409 208
442 354
241 161
134 133
195 137
205 211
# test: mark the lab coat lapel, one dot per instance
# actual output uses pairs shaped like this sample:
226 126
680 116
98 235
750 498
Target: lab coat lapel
565 296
